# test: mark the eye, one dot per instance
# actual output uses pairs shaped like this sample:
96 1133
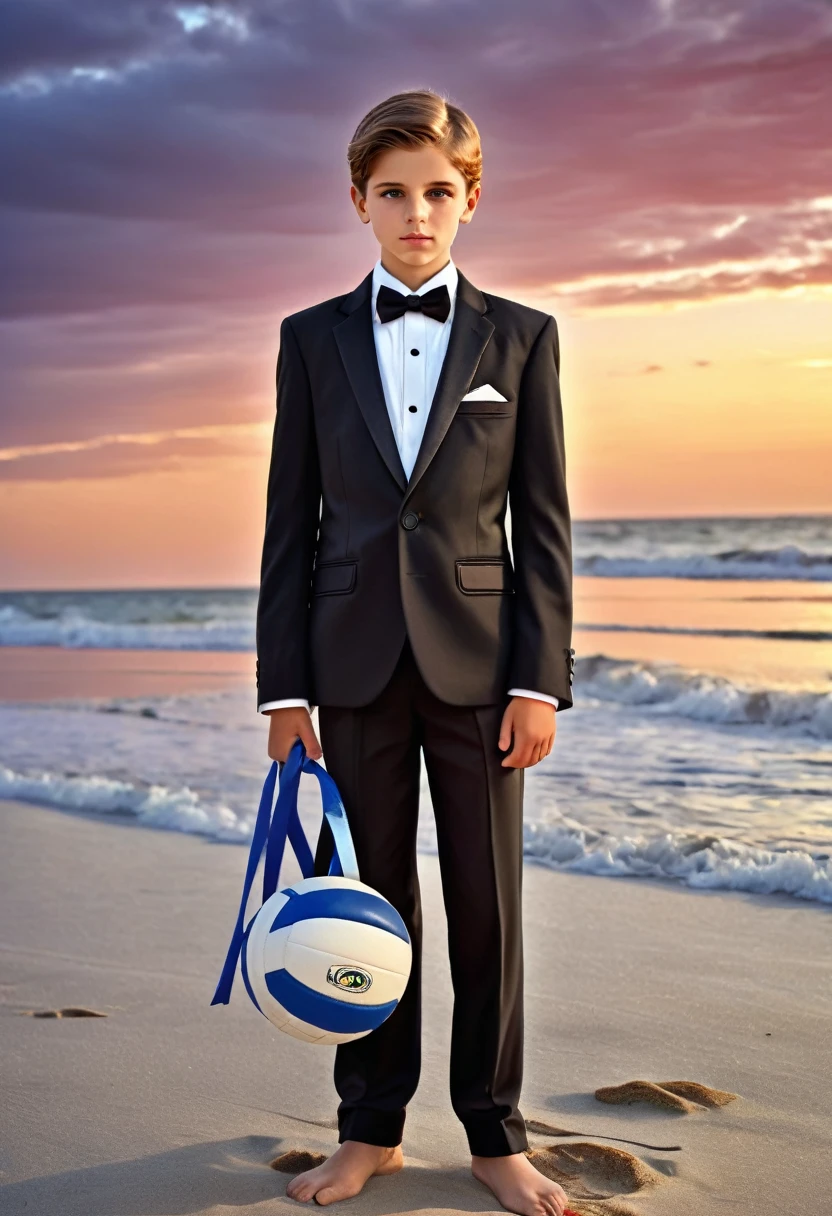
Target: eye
395 190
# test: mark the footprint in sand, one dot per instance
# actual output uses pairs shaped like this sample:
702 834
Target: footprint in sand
296 1160
594 1175
686 1096
71 1011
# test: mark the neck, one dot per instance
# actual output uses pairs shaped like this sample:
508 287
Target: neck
413 276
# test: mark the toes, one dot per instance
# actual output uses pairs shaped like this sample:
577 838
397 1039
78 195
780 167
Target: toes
302 1191
328 1194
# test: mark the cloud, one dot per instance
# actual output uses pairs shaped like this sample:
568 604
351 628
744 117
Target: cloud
124 455
175 176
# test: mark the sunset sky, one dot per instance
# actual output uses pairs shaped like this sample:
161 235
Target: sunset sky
656 174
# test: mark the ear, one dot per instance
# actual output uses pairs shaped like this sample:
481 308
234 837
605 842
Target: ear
470 205
359 201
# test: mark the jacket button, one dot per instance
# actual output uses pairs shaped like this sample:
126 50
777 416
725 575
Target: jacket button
410 520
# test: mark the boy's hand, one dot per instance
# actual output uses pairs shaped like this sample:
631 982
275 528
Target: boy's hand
288 724
533 725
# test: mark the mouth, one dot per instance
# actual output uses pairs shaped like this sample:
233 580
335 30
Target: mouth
416 238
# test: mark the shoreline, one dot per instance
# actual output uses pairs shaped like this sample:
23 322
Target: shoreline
60 755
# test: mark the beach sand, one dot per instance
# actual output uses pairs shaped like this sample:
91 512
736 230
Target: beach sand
169 1106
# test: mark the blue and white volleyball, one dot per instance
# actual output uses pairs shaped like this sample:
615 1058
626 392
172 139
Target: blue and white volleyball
327 959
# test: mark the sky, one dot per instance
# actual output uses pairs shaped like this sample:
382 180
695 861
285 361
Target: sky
657 174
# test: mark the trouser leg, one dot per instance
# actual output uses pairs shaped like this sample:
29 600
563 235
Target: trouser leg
373 755
478 805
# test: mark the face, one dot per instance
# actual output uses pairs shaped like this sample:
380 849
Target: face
411 191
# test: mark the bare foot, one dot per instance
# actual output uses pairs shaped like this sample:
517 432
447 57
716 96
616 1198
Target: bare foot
345 1172
519 1186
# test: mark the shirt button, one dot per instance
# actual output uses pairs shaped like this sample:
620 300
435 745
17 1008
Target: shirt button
412 409
414 351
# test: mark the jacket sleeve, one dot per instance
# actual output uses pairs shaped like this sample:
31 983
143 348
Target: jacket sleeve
293 498
541 530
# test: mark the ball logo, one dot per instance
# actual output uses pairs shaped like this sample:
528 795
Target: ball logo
353 979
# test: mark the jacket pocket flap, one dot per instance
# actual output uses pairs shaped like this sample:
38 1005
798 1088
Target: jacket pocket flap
486 574
485 407
332 578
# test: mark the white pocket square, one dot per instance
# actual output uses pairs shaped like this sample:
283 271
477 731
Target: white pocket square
484 393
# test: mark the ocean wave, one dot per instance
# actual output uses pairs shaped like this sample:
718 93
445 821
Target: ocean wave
702 861
665 688
155 806
74 629
788 562
780 635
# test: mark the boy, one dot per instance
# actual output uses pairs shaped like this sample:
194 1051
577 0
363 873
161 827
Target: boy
408 411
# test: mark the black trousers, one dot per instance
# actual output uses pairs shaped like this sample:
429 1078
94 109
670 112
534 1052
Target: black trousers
373 755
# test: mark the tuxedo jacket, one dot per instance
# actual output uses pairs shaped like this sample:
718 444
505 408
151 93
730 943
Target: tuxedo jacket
356 555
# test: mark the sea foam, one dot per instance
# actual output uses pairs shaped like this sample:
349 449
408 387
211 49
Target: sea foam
695 859
665 688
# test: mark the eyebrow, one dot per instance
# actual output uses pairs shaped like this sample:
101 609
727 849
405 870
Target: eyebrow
387 185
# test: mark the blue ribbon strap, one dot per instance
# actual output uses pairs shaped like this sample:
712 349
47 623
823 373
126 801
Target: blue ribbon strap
278 820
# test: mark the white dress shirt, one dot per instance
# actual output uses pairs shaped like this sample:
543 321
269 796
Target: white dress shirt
410 352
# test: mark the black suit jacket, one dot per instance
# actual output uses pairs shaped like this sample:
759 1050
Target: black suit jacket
355 555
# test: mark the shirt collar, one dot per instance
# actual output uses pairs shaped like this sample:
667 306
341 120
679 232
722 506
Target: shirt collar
449 275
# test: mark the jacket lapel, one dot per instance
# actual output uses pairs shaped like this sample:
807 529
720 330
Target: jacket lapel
358 351
470 332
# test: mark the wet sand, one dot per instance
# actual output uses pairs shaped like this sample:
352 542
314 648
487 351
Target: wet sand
49 673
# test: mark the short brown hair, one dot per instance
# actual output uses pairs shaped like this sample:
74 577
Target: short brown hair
412 120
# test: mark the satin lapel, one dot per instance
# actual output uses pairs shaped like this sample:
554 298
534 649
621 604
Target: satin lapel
358 351
469 336
470 333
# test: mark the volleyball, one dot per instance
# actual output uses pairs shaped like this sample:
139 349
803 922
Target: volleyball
326 959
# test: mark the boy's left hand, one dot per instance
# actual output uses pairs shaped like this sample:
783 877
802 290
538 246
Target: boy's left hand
532 723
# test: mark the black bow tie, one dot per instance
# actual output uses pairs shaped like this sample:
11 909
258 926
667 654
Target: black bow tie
435 303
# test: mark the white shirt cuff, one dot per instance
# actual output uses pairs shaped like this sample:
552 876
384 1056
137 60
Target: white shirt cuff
281 704
513 692
537 696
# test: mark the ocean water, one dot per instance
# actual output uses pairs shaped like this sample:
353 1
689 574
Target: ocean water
685 771
778 547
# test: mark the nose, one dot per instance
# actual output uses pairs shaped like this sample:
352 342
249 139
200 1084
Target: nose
417 210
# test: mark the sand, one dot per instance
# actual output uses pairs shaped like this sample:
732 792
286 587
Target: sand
169 1106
